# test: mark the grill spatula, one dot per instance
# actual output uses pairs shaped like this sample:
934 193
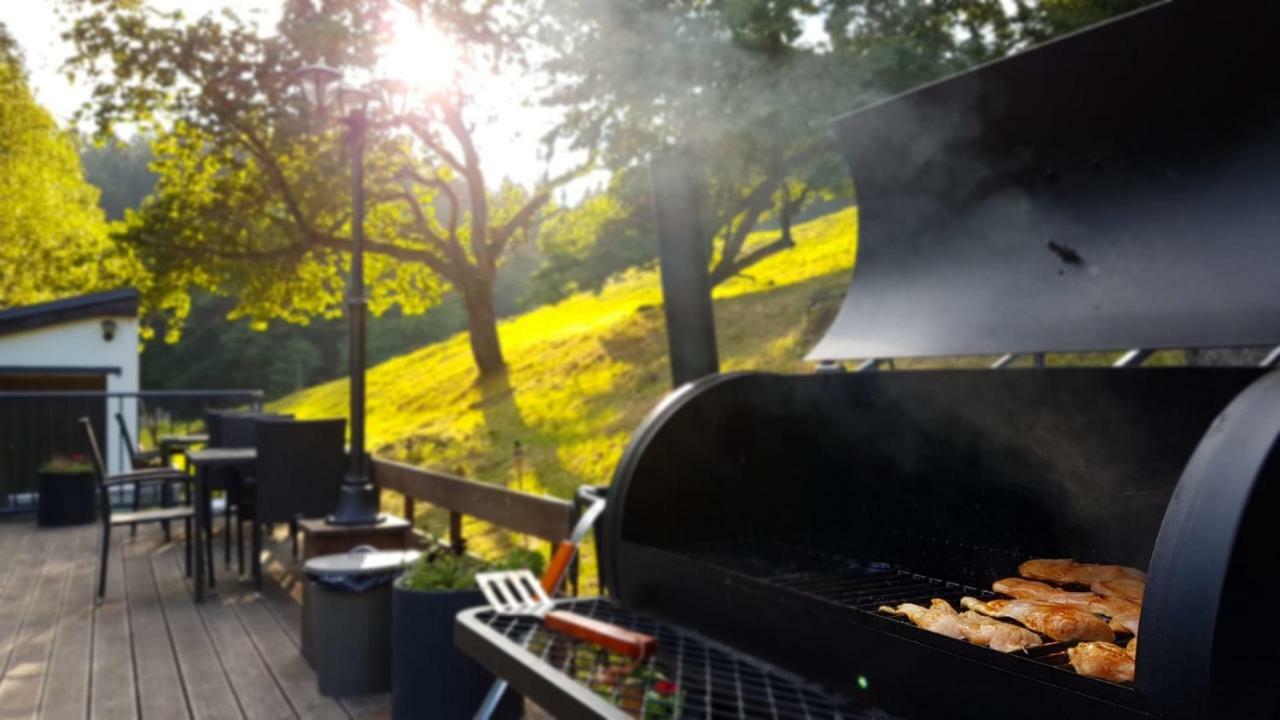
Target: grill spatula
518 592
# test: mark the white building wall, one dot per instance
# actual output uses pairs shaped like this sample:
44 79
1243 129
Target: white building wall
79 344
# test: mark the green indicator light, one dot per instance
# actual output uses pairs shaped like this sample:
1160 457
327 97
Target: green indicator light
863 683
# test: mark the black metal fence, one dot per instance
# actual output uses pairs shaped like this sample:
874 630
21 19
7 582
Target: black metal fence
36 426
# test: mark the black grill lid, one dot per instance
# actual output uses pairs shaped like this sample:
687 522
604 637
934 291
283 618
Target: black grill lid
1117 188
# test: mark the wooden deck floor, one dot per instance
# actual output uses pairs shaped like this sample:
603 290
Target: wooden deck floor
148 651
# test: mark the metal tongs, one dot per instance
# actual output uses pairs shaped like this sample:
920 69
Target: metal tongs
520 593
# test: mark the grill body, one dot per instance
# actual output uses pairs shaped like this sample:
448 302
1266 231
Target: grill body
776 513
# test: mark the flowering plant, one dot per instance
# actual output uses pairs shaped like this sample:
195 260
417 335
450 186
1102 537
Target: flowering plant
71 464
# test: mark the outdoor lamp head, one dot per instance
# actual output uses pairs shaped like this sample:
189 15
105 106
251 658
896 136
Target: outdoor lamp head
108 329
318 83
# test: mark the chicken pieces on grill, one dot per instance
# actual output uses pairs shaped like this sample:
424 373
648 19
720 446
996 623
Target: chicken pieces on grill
1070 572
1032 590
1123 613
1131 589
939 617
1104 660
1060 622
943 619
1002 636
1132 647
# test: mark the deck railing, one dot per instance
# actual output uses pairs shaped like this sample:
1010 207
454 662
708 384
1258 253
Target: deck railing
36 425
543 517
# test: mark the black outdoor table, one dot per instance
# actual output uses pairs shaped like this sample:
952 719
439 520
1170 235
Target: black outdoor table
203 463
171 444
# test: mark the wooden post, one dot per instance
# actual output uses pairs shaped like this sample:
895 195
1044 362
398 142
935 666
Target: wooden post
408 508
456 541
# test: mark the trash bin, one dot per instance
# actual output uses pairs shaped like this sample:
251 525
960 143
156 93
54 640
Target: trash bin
346 619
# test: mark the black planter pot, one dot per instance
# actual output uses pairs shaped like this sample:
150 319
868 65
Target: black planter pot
66 499
430 677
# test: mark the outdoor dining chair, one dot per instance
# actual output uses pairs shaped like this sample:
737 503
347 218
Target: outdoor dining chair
299 471
139 459
137 479
144 460
236 429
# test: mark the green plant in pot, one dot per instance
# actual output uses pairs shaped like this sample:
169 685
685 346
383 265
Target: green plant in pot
74 464
430 676
67 491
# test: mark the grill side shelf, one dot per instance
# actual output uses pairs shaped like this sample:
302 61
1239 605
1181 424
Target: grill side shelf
536 680
690 676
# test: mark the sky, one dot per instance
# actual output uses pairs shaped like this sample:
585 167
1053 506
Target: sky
36 27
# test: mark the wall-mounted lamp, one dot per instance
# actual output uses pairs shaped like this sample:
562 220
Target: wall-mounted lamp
108 329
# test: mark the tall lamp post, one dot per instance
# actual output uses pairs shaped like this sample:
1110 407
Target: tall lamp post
323 88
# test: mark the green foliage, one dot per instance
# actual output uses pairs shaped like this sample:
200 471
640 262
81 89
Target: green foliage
53 238
253 196
446 571
748 86
606 233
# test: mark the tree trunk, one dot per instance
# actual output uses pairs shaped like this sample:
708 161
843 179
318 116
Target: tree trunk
482 326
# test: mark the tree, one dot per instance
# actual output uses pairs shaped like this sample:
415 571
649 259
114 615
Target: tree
748 86
53 238
251 202
607 232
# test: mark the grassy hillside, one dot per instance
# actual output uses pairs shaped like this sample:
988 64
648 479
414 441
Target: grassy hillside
585 371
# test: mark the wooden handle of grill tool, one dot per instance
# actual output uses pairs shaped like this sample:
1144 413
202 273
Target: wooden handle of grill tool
558 565
634 645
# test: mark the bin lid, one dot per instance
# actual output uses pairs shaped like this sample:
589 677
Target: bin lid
360 563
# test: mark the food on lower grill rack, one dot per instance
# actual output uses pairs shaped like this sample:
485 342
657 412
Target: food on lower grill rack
943 619
1069 572
997 635
1123 613
1060 622
1131 589
1132 647
1102 660
939 617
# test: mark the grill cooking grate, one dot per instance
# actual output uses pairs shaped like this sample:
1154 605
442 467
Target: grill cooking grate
689 677
855 584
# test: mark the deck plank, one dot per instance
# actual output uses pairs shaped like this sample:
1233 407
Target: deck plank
113 689
277 642
209 691
161 693
18 589
255 686
23 680
148 651
66 688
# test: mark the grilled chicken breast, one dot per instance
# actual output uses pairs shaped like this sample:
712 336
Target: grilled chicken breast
1124 614
1002 636
1070 572
939 617
1131 589
1102 660
943 619
1060 622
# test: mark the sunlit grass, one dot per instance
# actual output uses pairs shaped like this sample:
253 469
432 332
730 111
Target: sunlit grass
582 374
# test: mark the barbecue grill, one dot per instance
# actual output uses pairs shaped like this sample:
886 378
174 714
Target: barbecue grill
1118 189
